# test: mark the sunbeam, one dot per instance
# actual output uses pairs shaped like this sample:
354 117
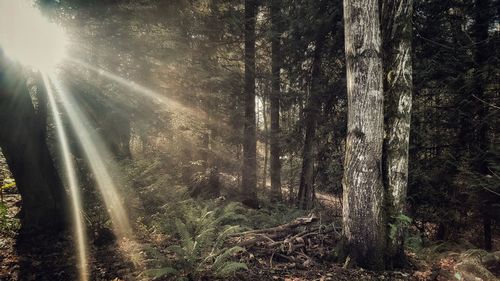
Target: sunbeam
148 93
169 103
95 153
72 180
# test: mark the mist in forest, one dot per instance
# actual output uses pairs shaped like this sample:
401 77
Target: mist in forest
249 140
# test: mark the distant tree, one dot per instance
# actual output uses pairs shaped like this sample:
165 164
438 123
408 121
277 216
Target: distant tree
249 172
480 30
396 28
363 195
453 132
306 195
276 30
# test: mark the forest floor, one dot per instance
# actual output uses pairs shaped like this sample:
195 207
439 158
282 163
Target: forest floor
52 258
281 243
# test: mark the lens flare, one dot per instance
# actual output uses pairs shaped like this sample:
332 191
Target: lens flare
29 38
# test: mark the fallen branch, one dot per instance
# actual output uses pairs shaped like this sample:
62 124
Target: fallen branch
281 228
284 236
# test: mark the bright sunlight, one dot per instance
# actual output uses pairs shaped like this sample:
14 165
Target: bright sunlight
29 38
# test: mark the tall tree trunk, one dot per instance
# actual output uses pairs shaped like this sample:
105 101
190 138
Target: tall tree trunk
275 100
363 196
249 171
480 29
24 146
396 30
306 194
266 138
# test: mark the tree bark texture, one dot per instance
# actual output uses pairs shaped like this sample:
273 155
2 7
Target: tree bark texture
396 36
249 172
363 196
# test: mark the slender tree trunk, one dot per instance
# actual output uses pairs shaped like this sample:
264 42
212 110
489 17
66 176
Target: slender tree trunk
275 100
291 182
205 146
363 196
306 194
249 171
396 30
266 140
24 146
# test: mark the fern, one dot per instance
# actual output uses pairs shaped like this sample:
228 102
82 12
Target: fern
182 231
221 259
401 222
202 228
230 267
159 272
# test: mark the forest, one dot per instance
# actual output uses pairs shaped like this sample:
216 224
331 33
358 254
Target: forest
249 140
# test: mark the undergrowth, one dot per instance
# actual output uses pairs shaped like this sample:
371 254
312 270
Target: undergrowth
195 231
8 225
199 230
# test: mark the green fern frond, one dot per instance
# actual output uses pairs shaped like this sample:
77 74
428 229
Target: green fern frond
226 254
184 234
230 267
176 249
159 272
223 236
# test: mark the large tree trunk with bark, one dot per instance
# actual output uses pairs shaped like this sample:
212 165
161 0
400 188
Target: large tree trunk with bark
249 172
306 196
363 197
396 36
24 146
275 100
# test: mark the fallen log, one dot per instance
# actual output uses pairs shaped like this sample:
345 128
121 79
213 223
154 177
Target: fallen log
281 228
285 234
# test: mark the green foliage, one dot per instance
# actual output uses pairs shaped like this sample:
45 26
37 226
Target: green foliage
229 267
412 239
414 242
271 215
8 225
401 222
160 272
201 228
